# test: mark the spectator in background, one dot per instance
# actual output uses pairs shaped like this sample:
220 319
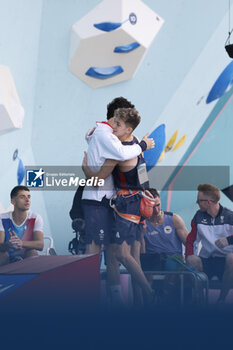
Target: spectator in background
21 231
163 236
212 225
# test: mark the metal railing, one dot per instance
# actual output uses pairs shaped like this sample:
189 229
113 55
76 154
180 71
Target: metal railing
199 285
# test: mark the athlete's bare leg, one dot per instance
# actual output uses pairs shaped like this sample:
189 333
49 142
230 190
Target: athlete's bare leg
227 280
92 248
113 276
137 291
123 254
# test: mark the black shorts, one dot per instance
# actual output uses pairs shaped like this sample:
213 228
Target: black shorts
125 230
213 266
152 261
160 261
98 223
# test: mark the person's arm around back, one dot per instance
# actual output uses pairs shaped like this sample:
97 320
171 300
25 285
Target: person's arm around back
104 171
112 148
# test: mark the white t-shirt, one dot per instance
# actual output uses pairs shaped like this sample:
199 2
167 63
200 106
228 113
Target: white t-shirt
33 222
20 230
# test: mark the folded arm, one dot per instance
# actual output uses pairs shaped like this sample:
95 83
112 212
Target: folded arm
224 241
36 243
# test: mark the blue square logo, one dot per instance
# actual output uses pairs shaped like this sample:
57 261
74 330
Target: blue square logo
35 178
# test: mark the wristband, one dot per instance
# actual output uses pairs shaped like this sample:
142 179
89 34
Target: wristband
143 145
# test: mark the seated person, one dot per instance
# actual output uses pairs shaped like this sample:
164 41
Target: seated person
163 236
212 225
21 231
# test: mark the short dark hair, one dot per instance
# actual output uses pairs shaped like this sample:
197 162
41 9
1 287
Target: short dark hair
154 192
129 116
118 102
211 191
16 190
